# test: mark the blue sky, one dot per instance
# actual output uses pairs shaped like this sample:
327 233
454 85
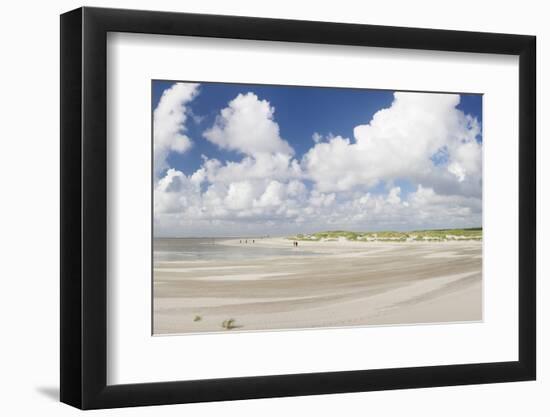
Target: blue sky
302 112
299 111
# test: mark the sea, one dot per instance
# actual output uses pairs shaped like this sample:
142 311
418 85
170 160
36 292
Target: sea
195 249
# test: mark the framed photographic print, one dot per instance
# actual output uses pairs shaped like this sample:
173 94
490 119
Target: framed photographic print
257 208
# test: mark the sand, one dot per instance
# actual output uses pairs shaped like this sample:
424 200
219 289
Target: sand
342 284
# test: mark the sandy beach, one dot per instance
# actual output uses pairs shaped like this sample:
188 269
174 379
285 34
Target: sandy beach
323 284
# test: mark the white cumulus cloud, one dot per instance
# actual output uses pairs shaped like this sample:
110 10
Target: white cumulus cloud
247 125
422 140
401 142
169 120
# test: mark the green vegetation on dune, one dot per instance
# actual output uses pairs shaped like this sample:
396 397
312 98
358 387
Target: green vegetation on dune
435 235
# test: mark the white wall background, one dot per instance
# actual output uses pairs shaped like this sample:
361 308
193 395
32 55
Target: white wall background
29 225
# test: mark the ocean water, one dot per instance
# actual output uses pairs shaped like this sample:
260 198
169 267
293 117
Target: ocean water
191 249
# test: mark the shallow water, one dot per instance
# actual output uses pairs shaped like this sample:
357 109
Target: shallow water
191 249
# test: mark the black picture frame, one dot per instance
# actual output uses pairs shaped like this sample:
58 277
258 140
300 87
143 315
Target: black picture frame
84 208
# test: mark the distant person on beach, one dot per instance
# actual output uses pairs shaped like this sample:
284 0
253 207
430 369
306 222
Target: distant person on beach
252 240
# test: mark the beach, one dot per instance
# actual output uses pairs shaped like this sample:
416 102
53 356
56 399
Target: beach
273 285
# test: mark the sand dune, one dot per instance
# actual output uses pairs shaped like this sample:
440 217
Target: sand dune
324 284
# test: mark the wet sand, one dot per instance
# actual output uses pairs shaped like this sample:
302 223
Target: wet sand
342 284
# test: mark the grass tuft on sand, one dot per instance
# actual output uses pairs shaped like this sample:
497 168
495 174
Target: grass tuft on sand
229 324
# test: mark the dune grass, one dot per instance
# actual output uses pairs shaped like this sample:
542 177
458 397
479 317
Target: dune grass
434 235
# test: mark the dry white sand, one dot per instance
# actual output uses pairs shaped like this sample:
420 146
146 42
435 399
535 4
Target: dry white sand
343 284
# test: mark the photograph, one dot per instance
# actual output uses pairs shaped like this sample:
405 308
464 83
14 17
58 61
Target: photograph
296 207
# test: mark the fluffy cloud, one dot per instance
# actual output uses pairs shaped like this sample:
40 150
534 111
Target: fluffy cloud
403 141
247 126
276 166
175 192
341 183
263 184
252 207
169 123
317 137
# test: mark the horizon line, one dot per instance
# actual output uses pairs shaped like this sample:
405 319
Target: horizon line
322 231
